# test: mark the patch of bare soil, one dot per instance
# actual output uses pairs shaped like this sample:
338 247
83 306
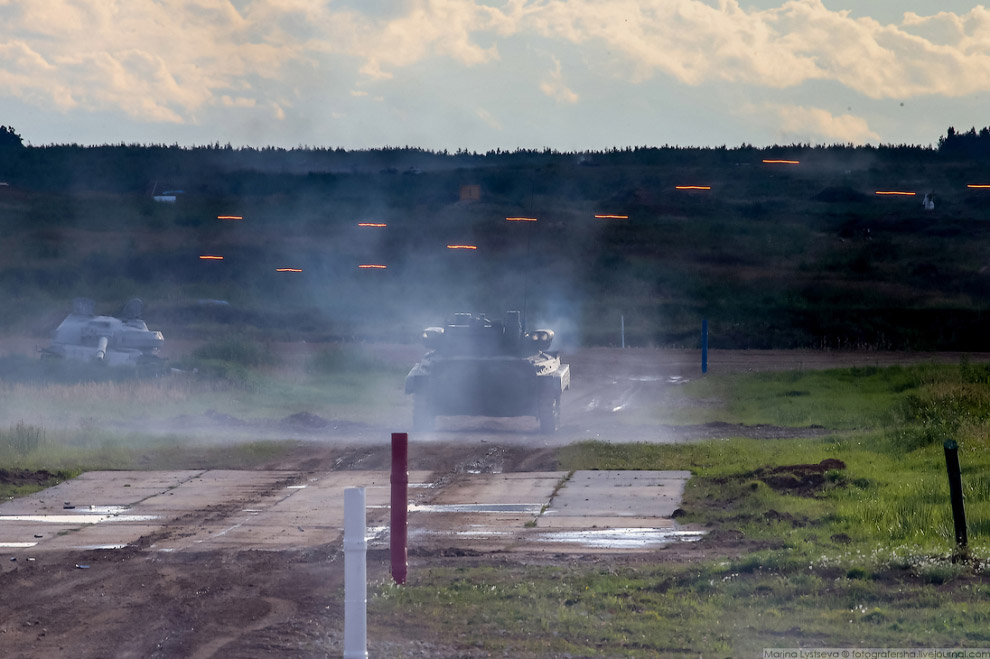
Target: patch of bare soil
723 430
129 603
803 480
34 477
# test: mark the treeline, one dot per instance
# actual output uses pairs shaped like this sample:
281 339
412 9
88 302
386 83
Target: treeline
135 169
971 144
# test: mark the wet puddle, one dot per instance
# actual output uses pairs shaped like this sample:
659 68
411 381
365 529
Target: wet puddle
620 538
87 515
519 508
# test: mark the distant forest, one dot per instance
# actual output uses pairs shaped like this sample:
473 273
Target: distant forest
131 168
828 246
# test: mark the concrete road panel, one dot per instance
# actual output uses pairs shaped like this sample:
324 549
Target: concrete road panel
226 509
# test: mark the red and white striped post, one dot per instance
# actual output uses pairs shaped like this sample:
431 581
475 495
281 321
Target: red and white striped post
399 507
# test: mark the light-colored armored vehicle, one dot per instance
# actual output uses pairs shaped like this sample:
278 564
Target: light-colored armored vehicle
479 367
84 336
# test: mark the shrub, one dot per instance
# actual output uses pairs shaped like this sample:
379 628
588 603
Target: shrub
21 439
241 352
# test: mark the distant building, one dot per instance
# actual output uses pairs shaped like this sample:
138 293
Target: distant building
167 197
470 193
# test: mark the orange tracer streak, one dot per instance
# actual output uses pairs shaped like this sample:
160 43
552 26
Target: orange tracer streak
692 187
896 192
207 257
611 217
288 269
374 266
372 224
462 247
520 219
782 162
230 217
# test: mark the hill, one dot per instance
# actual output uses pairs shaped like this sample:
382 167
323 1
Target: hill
800 253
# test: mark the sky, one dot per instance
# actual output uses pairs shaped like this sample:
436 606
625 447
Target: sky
571 75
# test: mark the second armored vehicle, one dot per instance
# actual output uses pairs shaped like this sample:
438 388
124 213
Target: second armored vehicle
479 367
84 336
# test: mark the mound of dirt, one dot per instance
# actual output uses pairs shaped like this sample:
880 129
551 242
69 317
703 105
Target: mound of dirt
802 480
21 477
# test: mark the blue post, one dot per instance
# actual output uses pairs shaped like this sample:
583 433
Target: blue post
704 345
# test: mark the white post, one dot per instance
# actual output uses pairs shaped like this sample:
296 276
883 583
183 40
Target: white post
622 323
355 576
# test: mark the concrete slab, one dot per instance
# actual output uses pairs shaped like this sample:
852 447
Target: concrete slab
523 488
199 509
642 494
306 514
591 511
225 509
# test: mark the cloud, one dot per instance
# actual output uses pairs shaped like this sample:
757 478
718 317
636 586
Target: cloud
154 61
172 61
802 40
489 119
798 123
554 87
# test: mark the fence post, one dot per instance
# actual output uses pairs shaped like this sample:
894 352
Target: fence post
955 491
355 575
704 345
399 506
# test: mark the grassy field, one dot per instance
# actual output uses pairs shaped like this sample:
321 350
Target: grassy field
803 257
861 555
864 558
72 417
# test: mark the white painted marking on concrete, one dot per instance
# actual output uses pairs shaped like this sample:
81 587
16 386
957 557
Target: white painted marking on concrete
620 538
76 519
524 508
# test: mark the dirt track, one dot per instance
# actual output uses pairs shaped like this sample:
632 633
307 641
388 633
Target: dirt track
134 602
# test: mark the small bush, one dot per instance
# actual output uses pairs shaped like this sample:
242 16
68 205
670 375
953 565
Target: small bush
241 352
340 358
21 439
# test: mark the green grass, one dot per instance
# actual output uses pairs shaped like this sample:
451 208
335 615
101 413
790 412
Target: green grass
867 559
64 420
841 399
231 377
711 609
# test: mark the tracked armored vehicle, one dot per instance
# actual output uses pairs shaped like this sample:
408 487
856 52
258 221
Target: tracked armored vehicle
478 367
124 341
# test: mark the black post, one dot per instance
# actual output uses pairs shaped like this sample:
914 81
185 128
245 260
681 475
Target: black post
704 345
955 490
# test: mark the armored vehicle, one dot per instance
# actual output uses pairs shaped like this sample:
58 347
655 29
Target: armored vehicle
478 367
84 336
